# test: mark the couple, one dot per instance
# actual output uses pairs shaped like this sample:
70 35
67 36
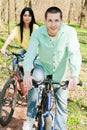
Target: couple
58 46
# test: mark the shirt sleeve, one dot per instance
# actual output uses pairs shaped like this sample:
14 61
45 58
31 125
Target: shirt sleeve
31 52
13 33
74 54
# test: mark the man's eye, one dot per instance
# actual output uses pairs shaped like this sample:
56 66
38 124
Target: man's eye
57 20
50 20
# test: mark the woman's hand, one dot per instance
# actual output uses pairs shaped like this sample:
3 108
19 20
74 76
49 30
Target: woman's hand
3 51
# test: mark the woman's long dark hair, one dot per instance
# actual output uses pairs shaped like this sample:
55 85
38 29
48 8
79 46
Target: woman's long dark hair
21 24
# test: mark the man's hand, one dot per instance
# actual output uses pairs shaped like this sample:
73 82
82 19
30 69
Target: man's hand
72 83
27 80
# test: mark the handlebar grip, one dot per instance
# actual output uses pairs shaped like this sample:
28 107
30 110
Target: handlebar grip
80 83
35 84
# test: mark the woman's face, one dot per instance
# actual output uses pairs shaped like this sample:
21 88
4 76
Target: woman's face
27 17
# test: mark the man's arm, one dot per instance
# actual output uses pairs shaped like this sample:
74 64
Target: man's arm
74 59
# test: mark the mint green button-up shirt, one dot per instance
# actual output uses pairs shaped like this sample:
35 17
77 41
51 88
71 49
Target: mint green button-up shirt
55 55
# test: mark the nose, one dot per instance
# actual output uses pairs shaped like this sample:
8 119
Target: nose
27 17
53 24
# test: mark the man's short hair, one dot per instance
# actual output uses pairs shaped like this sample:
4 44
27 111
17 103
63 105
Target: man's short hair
53 10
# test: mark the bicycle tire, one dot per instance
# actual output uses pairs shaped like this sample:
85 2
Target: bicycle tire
48 123
7 102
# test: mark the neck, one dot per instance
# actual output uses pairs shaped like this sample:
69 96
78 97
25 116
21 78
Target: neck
52 35
26 26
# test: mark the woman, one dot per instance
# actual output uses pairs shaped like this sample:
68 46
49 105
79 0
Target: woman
22 32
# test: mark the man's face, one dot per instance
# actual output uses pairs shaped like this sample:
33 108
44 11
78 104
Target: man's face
53 22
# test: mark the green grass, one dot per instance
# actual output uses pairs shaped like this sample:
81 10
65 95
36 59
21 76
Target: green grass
77 114
77 106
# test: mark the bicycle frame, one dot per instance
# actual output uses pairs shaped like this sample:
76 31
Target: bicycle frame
48 111
10 93
18 80
16 76
47 102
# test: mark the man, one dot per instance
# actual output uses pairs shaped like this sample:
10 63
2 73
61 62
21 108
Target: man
58 46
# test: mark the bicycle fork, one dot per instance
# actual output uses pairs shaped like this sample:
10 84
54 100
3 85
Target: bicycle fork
48 112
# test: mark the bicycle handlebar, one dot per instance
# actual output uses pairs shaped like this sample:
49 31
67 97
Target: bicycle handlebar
36 83
15 54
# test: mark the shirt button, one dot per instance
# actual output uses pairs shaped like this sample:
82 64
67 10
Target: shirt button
54 69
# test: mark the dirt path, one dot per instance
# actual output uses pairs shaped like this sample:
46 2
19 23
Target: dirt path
19 115
18 118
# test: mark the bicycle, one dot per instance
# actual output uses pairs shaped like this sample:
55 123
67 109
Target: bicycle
11 91
45 112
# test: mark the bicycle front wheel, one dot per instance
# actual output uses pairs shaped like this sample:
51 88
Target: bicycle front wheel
48 123
8 98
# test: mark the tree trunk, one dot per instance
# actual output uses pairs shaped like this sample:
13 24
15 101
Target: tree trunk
8 16
28 3
69 13
0 13
83 14
15 10
85 5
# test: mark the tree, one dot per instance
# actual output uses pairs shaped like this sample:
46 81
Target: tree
15 10
28 3
85 5
83 14
70 12
0 13
8 16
